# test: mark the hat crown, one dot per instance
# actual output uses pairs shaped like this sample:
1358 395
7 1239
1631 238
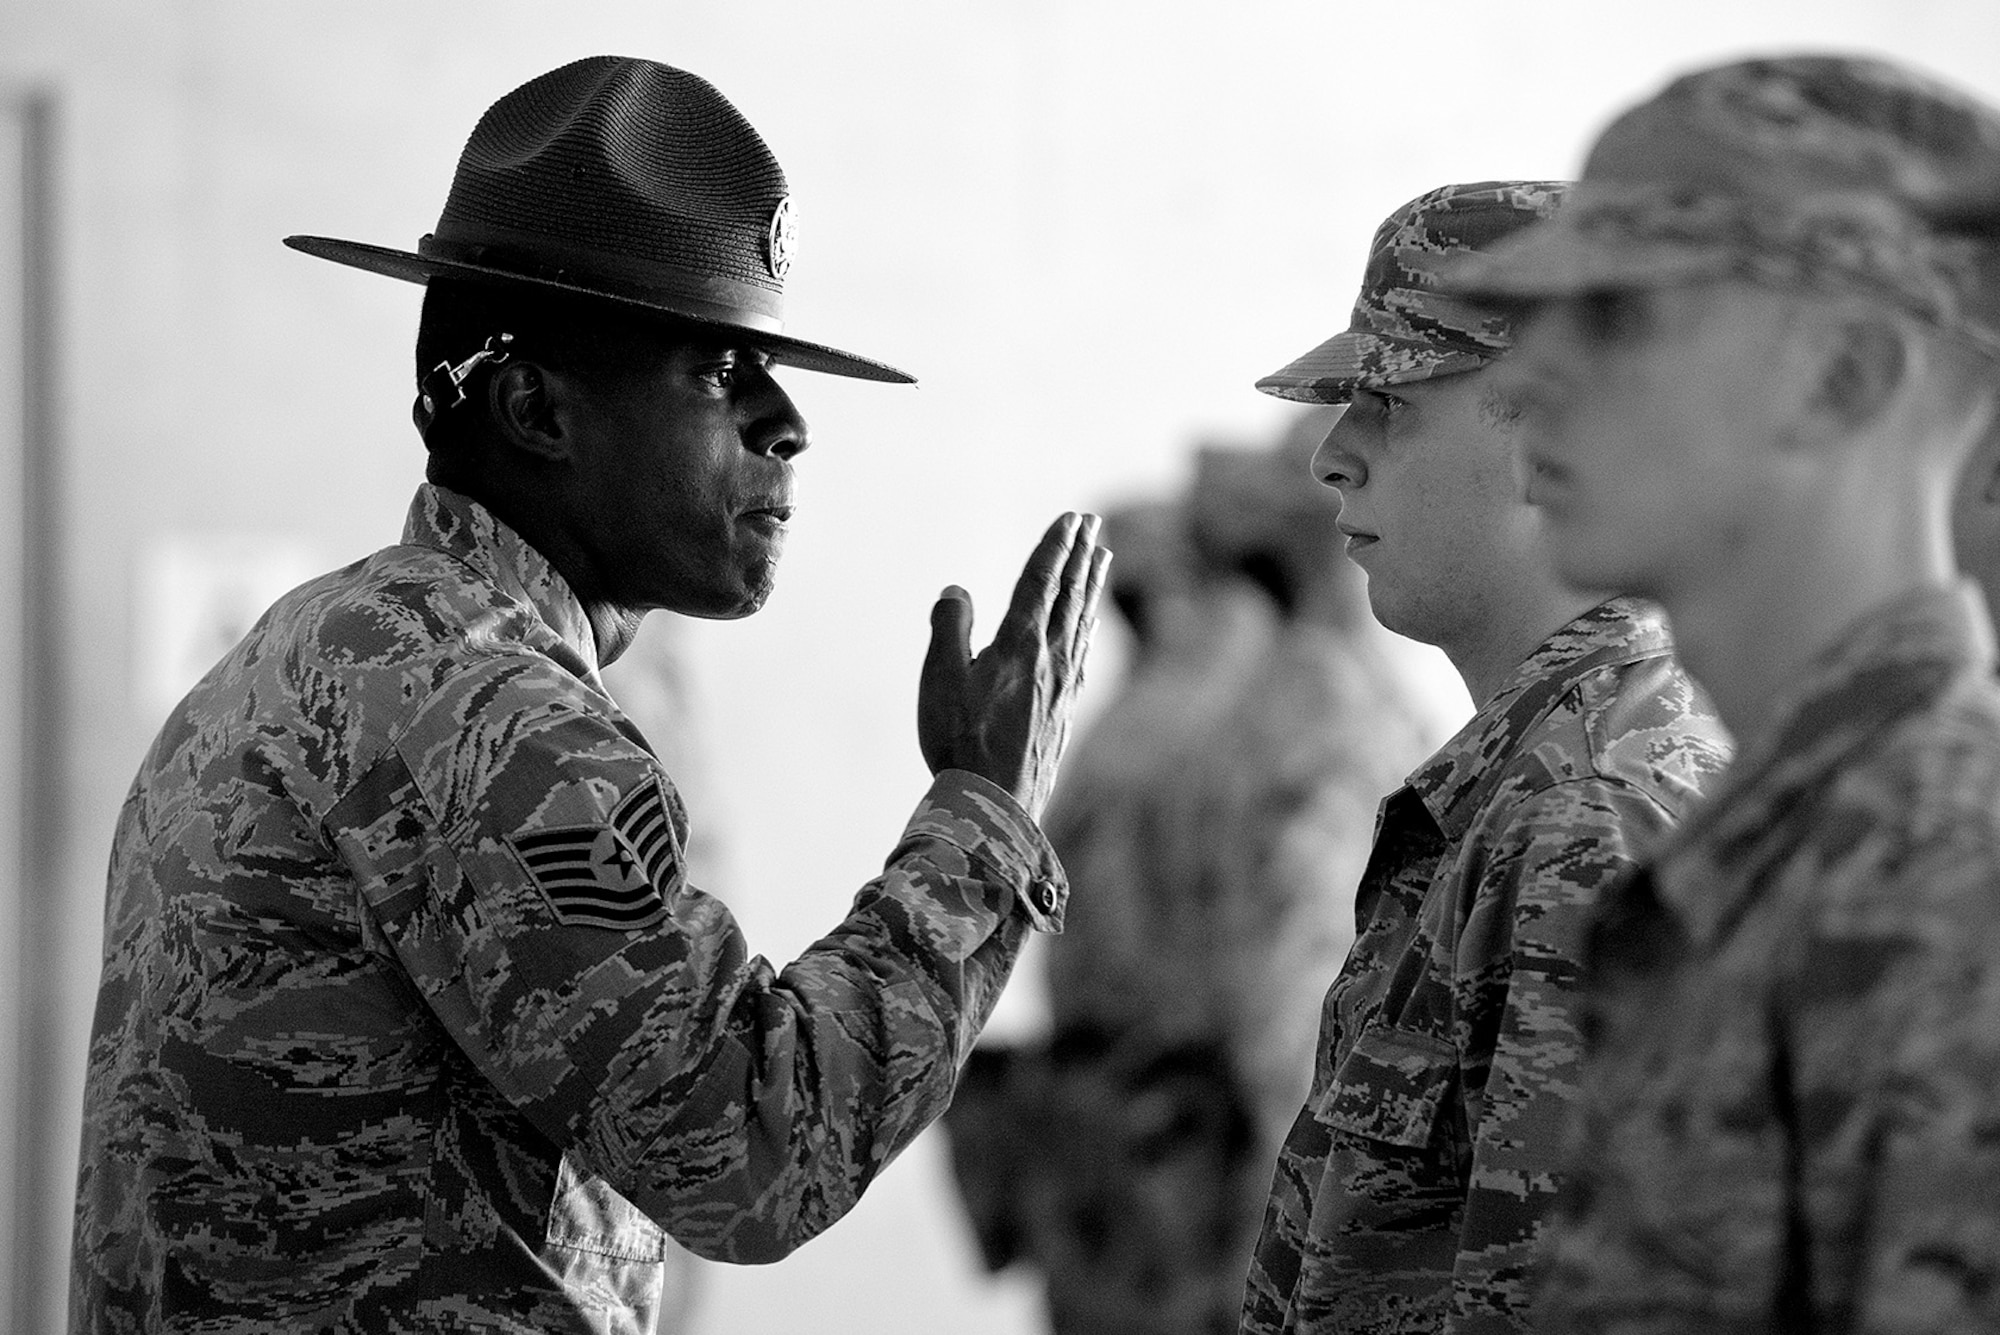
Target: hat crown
615 171
1786 128
1405 325
1835 175
1401 294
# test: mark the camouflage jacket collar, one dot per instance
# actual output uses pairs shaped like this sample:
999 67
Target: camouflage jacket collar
1456 782
460 526
1896 661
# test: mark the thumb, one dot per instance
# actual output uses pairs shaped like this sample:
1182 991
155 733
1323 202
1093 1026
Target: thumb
941 688
949 659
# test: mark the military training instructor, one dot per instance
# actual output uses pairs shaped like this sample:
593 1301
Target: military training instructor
409 1019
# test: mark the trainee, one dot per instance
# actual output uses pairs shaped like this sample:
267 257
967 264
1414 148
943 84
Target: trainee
1761 349
1411 1189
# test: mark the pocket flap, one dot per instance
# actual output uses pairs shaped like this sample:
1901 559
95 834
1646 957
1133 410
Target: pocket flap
588 1215
1390 1086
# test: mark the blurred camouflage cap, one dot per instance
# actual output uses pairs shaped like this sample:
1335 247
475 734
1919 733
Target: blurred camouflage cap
1828 174
1404 328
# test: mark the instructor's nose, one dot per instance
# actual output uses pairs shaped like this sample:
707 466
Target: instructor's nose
776 426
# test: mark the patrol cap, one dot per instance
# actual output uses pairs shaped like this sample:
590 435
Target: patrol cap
1404 328
1829 174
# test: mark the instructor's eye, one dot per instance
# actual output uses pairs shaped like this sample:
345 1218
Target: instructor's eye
719 374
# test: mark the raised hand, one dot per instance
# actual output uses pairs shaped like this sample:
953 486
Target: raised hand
1004 714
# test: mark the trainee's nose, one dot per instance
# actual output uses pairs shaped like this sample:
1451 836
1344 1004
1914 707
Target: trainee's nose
1336 465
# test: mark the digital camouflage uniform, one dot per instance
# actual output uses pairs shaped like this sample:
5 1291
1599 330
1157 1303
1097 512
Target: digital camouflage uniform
1412 1187
410 1019
1790 1113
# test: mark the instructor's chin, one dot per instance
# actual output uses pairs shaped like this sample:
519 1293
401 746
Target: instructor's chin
749 599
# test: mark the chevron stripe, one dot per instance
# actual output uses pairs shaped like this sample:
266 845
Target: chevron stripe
642 819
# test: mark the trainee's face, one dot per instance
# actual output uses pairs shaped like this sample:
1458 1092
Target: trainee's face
686 480
1645 419
1430 504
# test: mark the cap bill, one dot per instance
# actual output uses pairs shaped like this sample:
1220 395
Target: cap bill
1356 359
414 268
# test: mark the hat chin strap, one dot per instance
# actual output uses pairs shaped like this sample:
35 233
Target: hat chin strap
444 388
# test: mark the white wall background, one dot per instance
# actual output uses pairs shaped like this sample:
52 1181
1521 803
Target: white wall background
1087 226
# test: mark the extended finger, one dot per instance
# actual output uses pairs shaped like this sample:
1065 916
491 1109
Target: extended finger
1041 579
1093 594
1065 615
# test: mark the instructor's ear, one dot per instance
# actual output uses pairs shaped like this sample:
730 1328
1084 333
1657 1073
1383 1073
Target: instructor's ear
528 405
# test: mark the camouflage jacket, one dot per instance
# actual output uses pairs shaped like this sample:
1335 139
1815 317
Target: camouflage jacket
410 1020
1411 1189
1790 1114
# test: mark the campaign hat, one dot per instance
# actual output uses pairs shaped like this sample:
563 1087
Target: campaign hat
628 181
1404 326
1826 174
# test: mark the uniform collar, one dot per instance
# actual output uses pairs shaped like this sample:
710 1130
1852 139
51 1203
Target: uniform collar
454 523
1896 661
1456 782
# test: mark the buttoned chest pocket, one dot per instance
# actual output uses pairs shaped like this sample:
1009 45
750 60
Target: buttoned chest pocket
1390 1087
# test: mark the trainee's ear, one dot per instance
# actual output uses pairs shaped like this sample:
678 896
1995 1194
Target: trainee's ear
527 404
1866 364
1975 518
1979 481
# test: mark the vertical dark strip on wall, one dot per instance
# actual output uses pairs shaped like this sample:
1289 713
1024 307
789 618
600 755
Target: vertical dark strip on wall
38 1273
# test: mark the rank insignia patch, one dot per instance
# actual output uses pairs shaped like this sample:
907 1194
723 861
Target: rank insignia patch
613 875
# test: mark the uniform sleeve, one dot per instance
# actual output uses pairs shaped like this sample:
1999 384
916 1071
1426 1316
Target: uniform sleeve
519 852
1517 979
1893 1037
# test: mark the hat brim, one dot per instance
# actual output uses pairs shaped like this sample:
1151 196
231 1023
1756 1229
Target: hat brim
1557 259
1356 359
414 268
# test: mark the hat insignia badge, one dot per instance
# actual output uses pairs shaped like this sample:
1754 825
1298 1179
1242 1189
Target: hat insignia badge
781 238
